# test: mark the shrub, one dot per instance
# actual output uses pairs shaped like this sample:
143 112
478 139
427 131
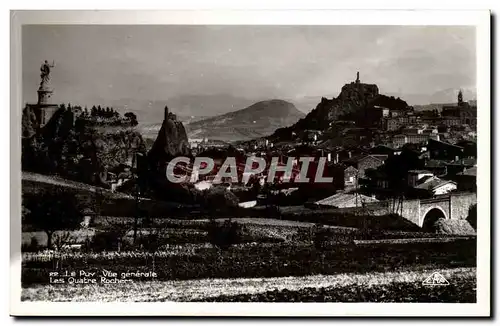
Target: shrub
218 198
33 246
224 235
61 240
105 241
52 210
321 237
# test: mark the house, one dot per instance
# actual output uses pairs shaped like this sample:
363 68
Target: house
470 147
343 200
364 162
415 176
412 131
429 131
391 124
441 150
120 180
467 180
437 167
383 150
350 177
88 215
460 165
451 121
435 186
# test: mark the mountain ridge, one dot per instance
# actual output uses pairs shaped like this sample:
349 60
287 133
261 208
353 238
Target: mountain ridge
257 120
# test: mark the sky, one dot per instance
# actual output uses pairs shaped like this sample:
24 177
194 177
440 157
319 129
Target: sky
104 63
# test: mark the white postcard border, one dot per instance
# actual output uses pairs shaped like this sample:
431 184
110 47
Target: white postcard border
478 18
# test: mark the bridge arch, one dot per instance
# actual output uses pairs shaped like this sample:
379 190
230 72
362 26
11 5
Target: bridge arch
431 216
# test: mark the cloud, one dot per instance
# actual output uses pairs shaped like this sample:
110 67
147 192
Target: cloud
160 62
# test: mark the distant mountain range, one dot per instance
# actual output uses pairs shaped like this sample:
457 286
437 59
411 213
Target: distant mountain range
184 106
193 108
257 120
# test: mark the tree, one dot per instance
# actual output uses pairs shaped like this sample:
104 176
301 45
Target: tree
132 117
154 238
219 198
224 235
472 216
111 238
53 210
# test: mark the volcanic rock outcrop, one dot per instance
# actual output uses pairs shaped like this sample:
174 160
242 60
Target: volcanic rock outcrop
171 141
354 102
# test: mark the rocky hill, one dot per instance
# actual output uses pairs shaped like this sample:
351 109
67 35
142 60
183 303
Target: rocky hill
170 142
355 103
74 147
257 120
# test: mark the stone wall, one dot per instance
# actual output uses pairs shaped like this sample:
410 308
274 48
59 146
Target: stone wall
460 204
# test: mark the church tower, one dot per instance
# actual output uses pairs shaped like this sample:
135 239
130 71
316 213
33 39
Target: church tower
460 98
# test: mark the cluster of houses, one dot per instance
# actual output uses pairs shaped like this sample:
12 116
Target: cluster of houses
441 146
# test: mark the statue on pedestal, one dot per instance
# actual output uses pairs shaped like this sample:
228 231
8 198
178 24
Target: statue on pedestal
45 73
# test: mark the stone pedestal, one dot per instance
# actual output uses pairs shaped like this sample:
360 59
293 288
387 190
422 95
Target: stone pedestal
44 95
44 110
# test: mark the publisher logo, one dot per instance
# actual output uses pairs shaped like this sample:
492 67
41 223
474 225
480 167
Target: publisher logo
435 279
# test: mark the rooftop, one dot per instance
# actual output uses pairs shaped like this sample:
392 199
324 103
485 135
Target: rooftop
435 163
419 171
433 184
471 172
346 200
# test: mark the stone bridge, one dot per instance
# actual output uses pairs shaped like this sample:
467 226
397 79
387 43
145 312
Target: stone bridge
425 212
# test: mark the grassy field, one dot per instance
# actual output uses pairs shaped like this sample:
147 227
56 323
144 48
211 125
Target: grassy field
182 262
276 260
256 229
401 286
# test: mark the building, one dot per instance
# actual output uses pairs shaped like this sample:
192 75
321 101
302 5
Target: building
451 121
195 142
402 139
434 186
460 165
465 111
470 148
416 176
412 131
467 180
382 150
441 150
350 177
437 167
364 162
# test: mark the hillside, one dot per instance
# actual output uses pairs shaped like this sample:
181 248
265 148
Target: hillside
150 131
76 147
186 106
257 120
355 102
